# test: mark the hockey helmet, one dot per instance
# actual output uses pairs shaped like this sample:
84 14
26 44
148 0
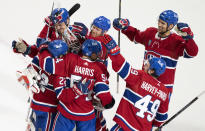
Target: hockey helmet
102 23
57 48
158 65
169 16
59 15
90 46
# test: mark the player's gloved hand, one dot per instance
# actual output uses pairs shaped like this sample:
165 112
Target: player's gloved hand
110 44
79 29
83 87
43 45
184 30
21 46
120 24
97 103
48 21
52 20
154 128
29 79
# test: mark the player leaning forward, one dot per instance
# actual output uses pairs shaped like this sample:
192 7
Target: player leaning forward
162 43
75 77
145 100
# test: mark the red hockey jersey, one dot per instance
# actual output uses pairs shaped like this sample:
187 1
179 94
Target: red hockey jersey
104 52
145 100
46 99
169 49
65 69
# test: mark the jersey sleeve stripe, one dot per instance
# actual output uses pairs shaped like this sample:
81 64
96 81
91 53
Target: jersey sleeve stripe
101 92
101 87
58 91
43 104
124 71
49 65
186 55
170 63
161 117
35 62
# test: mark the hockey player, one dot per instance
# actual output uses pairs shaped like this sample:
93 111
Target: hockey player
162 43
99 28
82 73
44 101
145 100
57 27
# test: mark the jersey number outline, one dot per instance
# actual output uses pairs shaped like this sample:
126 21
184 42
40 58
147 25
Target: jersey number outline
143 104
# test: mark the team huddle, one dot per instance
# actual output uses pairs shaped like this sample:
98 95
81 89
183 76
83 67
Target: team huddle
69 80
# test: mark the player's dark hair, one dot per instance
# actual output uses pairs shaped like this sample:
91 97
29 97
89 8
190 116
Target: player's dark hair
154 74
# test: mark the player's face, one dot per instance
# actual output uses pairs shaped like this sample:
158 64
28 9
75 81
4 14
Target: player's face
162 26
95 31
60 27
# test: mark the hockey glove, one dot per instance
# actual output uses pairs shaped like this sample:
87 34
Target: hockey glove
21 47
154 128
79 29
184 30
97 103
48 21
110 44
43 45
83 87
29 78
120 24
52 20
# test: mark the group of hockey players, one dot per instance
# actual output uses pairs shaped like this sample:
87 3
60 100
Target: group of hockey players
68 74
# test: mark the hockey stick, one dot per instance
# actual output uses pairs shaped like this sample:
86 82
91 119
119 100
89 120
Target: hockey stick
49 23
73 9
180 111
118 44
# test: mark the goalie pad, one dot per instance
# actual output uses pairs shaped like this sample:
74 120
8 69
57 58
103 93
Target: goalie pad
29 79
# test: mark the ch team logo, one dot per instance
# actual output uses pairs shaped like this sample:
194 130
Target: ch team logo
151 54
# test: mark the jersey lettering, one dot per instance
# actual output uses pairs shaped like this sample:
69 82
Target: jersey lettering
84 71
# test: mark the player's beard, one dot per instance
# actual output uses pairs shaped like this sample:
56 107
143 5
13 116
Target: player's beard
162 33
